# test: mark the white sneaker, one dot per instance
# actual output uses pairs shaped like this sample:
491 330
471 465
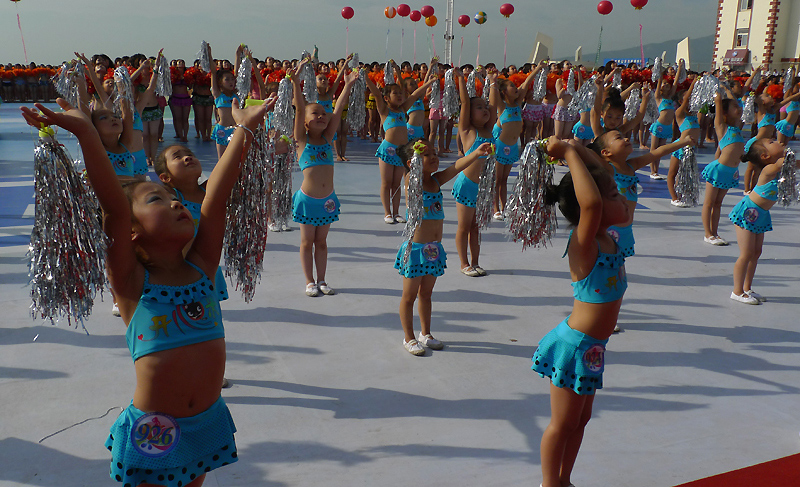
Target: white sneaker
754 294
413 347
115 310
274 227
498 216
325 289
679 203
714 241
286 228
744 298
617 329
430 342
399 219
312 290
388 219
721 241
657 177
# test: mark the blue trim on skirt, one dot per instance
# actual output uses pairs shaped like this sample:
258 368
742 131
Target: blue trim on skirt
748 215
721 176
624 238
315 211
388 154
571 359
465 190
425 259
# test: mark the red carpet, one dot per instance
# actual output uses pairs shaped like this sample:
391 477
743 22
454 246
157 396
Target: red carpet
783 472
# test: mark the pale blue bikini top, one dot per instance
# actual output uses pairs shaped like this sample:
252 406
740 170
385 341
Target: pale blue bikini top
316 155
394 119
418 105
606 282
768 191
327 105
733 135
510 114
224 100
478 141
690 122
627 185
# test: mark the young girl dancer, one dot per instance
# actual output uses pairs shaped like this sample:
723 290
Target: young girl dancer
416 114
722 174
507 99
661 129
176 406
688 125
180 103
315 206
752 219
572 354
223 88
427 260
787 126
474 128
325 93
770 101
608 112
202 102
392 105
564 121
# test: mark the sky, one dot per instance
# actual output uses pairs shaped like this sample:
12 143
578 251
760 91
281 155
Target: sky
54 29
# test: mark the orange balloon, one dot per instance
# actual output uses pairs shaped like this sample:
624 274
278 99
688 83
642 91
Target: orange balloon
430 21
390 12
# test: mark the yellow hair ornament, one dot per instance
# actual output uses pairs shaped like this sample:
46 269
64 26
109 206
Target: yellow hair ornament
420 146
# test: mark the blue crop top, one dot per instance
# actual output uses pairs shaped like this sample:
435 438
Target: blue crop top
627 185
137 121
327 105
224 100
169 317
478 141
194 209
123 163
510 114
606 281
394 119
316 155
666 104
418 105
432 204
793 106
732 136
690 122
768 191
766 120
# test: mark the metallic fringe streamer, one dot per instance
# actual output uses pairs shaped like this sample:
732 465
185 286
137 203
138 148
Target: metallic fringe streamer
756 80
571 82
687 179
633 103
308 78
787 180
528 218
248 215
281 199
749 110
788 80
583 99
414 201
68 247
471 85
356 108
451 99
704 92
651 114
436 96
540 84
65 82
164 80
486 87
354 62
202 55
123 89
388 73
658 70
485 198
244 78
681 69
283 113
616 81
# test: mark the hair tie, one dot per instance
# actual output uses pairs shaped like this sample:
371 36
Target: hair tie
419 146
749 144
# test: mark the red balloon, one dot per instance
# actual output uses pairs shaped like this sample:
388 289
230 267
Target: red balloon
389 12
347 13
605 7
464 20
638 4
403 10
415 16
508 9
426 11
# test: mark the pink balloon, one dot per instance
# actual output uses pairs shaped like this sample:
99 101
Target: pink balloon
347 13
605 7
507 9
464 20
403 10
426 11
415 16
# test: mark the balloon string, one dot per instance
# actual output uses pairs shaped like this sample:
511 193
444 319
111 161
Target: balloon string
386 53
402 38
641 44
347 40
461 51
434 45
505 49
23 39
599 44
415 45
478 57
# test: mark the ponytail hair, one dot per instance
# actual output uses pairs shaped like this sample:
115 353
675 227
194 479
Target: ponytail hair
564 193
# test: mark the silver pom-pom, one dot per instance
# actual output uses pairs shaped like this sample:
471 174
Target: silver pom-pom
68 247
356 108
283 113
202 55
354 63
471 85
244 78
787 180
756 79
571 82
651 113
281 198
704 93
450 96
687 179
123 89
164 79
66 84
583 100
616 80
414 201
528 218
308 78
681 70
788 80
248 215
633 103
436 96
388 73
486 188
658 70
749 110
486 87
540 84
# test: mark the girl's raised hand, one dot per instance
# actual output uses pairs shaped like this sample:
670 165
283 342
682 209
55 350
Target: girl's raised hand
71 119
351 77
251 116
556 148
485 149
688 139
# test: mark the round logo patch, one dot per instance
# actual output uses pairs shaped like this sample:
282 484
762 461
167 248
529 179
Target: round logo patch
614 234
507 150
155 434
750 215
390 151
736 175
431 252
593 358
411 132
330 205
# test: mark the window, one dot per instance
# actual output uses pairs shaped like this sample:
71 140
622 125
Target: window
741 37
745 4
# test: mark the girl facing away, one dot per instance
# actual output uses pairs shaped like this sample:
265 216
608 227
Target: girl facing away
572 354
427 259
168 302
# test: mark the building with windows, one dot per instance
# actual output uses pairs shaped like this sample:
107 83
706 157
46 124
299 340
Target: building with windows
757 32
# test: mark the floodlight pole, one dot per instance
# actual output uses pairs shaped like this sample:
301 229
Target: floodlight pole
448 34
